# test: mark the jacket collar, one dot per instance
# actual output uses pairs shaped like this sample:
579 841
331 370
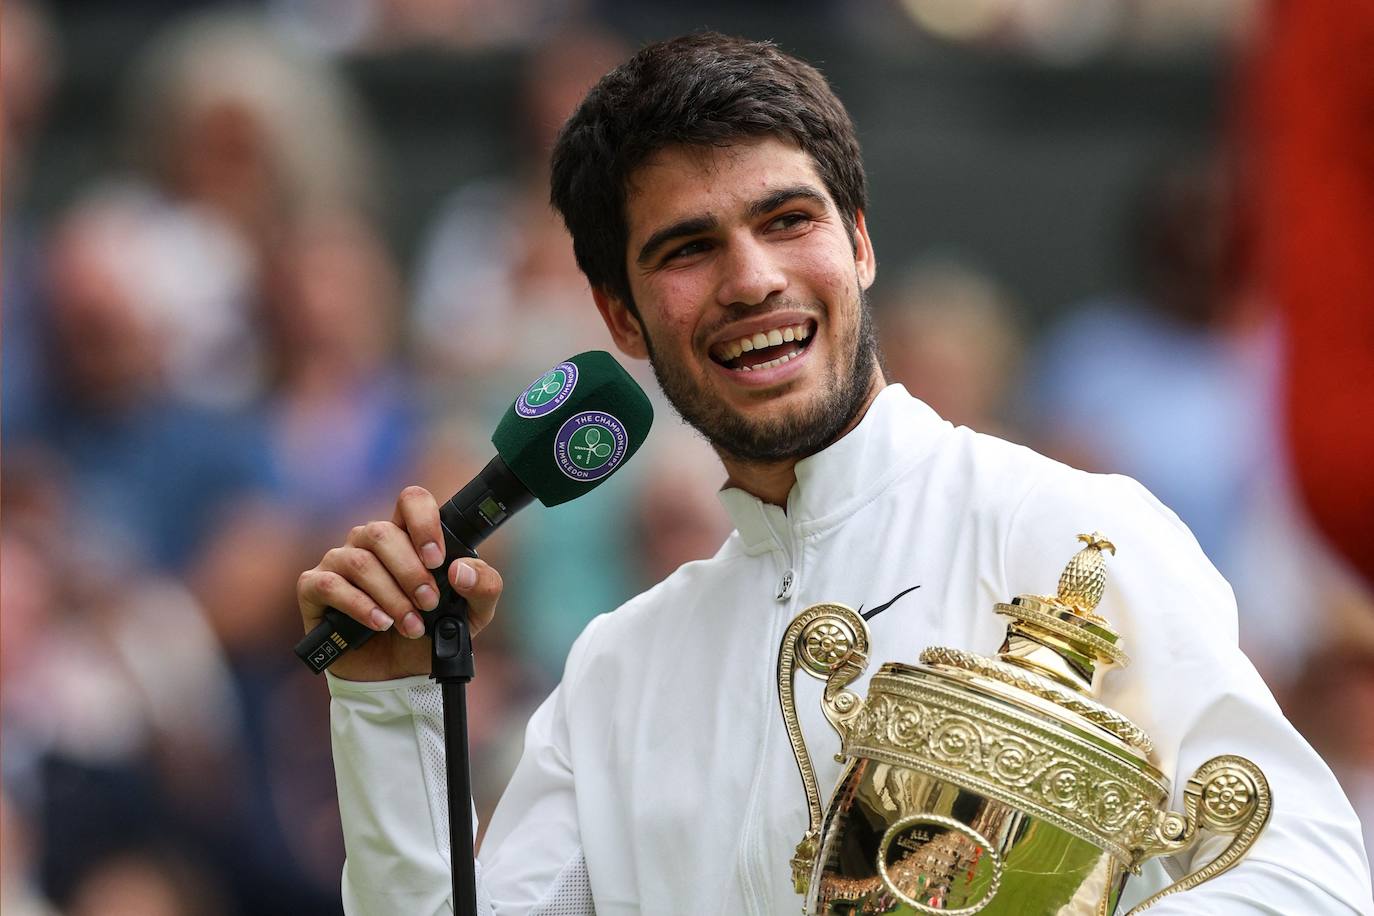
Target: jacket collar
896 433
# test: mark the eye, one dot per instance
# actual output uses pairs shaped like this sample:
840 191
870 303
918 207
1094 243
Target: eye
788 221
696 246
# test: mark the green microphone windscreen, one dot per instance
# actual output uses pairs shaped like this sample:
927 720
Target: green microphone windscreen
573 426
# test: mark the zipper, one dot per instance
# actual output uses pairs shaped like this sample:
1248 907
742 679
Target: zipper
754 867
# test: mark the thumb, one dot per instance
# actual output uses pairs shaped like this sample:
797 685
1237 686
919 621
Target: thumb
480 585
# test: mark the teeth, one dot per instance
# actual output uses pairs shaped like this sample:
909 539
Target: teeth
732 349
768 365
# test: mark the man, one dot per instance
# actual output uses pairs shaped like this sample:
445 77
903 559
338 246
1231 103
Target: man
715 197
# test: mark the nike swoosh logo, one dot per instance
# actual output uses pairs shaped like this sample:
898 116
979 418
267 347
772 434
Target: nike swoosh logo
882 607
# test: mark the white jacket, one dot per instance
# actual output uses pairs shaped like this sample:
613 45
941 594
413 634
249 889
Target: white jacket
658 777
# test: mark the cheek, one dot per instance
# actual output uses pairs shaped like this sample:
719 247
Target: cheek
670 305
833 281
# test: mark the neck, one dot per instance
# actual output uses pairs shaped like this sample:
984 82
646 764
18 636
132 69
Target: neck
771 481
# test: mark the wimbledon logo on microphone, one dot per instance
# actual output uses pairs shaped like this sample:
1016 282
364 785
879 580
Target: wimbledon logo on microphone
590 445
548 393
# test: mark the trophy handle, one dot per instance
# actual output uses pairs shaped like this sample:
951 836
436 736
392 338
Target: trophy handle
827 641
1227 794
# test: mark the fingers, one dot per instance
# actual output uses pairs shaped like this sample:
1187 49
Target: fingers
376 577
381 575
397 565
481 585
417 512
383 564
318 588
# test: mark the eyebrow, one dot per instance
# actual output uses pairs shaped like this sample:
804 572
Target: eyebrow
781 196
695 225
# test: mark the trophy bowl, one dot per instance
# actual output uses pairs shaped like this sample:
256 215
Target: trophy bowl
997 785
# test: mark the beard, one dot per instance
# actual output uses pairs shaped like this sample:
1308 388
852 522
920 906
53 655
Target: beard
792 436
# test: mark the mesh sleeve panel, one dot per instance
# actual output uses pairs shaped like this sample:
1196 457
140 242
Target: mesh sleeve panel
428 704
571 893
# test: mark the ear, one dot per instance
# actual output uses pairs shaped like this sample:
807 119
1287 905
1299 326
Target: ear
624 325
865 261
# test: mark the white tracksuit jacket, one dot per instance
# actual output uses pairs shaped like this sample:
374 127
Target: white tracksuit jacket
657 778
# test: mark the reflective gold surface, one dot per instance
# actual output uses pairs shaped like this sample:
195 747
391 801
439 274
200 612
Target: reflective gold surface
950 871
822 640
997 785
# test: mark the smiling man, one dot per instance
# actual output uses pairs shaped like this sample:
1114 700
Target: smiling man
716 199
746 294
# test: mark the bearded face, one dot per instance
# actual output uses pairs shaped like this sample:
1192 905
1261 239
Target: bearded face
749 298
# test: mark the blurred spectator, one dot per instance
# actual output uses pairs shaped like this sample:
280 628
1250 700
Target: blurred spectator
237 133
149 470
192 277
1177 388
1152 385
226 115
342 415
947 334
498 296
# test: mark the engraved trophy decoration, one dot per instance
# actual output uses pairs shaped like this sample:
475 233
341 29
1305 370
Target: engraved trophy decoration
996 785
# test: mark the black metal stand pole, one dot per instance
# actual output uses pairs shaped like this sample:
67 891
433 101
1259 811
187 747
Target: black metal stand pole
453 668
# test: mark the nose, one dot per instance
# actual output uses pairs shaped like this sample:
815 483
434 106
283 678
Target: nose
750 273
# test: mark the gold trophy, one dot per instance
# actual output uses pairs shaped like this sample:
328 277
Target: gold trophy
996 785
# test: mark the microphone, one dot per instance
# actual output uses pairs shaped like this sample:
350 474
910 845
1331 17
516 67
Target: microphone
568 431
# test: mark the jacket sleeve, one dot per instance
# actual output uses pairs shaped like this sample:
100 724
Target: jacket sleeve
390 769
1197 695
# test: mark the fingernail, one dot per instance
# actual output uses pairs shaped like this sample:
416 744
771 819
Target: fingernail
432 555
464 576
412 625
380 620
428 597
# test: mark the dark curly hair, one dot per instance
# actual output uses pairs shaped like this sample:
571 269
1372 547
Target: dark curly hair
704 89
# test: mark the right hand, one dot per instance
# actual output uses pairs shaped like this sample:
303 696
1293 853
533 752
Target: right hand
382 577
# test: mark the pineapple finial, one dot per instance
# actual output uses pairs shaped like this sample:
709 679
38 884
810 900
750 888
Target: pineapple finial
1085 578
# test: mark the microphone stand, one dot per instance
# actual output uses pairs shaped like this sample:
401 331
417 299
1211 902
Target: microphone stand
451 656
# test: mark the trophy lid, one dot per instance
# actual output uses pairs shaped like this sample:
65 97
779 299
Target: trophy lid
1058 648
1084 642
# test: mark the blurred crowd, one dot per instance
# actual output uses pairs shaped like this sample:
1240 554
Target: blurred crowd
215 363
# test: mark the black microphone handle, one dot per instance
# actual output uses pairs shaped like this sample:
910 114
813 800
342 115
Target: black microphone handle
467 519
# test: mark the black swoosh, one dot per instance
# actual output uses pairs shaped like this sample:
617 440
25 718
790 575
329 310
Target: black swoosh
882 607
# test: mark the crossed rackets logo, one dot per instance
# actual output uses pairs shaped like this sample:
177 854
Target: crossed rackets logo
545 388
548 393
590 445
588 449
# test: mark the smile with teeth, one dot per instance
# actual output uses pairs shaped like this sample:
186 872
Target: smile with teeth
765 349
